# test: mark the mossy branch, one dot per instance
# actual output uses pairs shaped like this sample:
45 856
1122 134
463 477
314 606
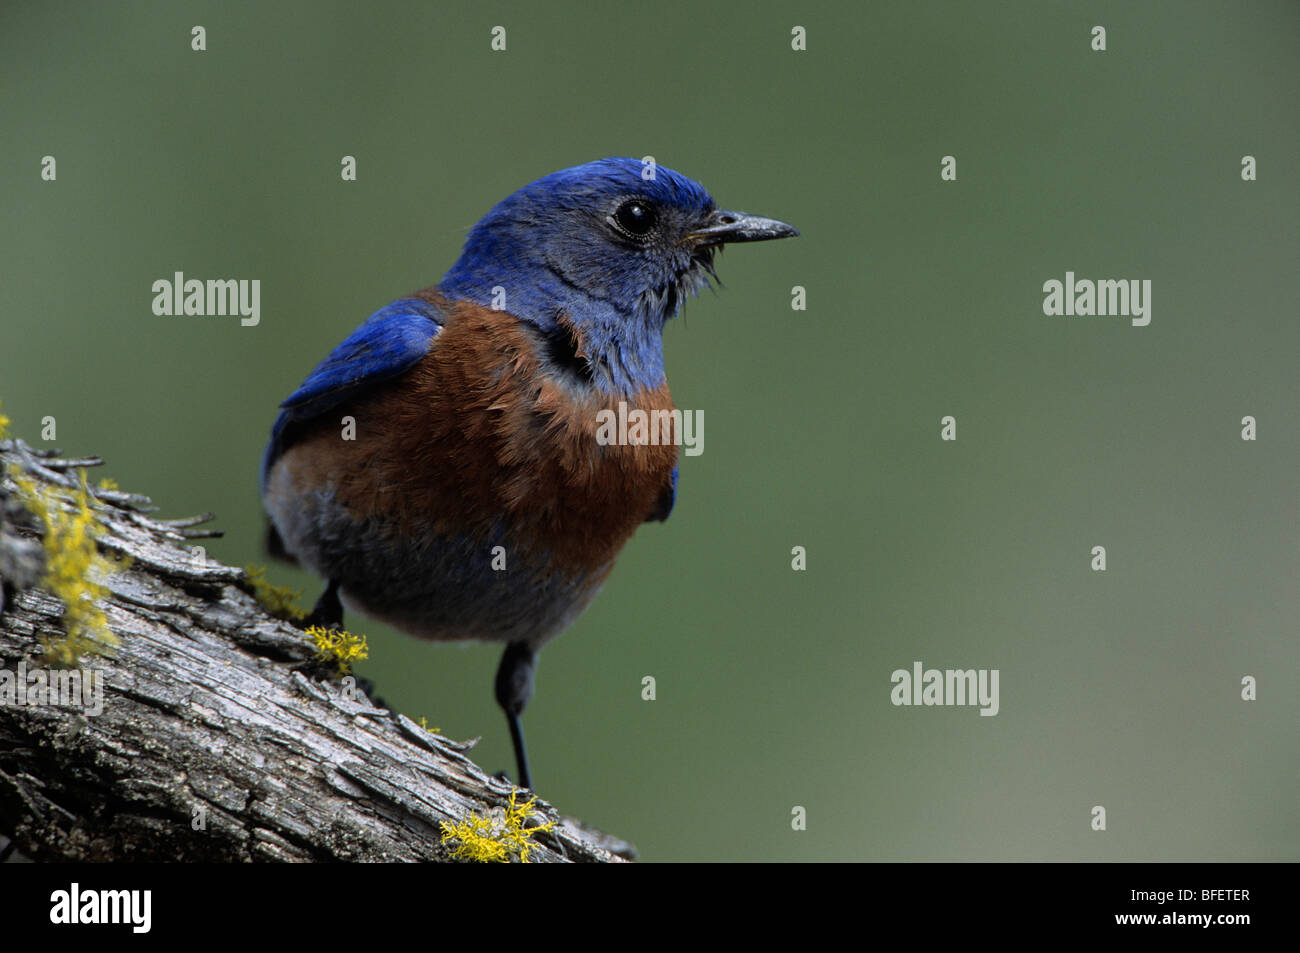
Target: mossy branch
222 736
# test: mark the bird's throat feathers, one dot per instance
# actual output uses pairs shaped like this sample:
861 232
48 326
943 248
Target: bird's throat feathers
617 347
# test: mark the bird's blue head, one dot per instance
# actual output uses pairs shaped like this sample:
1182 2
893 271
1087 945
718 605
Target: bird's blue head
598 258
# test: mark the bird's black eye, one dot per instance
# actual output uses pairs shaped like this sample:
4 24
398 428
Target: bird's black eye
635 218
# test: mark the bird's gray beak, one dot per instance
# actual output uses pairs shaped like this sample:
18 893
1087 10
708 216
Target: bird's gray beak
724 227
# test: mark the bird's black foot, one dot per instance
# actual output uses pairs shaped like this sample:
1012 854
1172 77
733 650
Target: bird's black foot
328 612
514 686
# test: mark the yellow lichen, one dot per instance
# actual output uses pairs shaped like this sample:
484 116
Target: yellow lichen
75 569
424 723
108 483
497 836
280 601
339 646
4 424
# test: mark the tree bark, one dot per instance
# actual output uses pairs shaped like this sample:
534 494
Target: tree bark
221 737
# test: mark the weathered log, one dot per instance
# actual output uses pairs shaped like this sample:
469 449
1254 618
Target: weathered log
222 737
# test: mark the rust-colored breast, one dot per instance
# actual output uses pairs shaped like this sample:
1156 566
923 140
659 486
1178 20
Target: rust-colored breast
483 436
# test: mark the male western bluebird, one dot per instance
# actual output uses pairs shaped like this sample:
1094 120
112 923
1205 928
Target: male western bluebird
475 406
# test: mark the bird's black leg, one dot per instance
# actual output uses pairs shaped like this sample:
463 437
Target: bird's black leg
328 613
514 687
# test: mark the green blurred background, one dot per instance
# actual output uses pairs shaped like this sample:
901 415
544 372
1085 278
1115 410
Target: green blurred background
822 427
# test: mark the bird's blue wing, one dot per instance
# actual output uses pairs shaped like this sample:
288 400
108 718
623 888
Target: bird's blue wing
388 343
